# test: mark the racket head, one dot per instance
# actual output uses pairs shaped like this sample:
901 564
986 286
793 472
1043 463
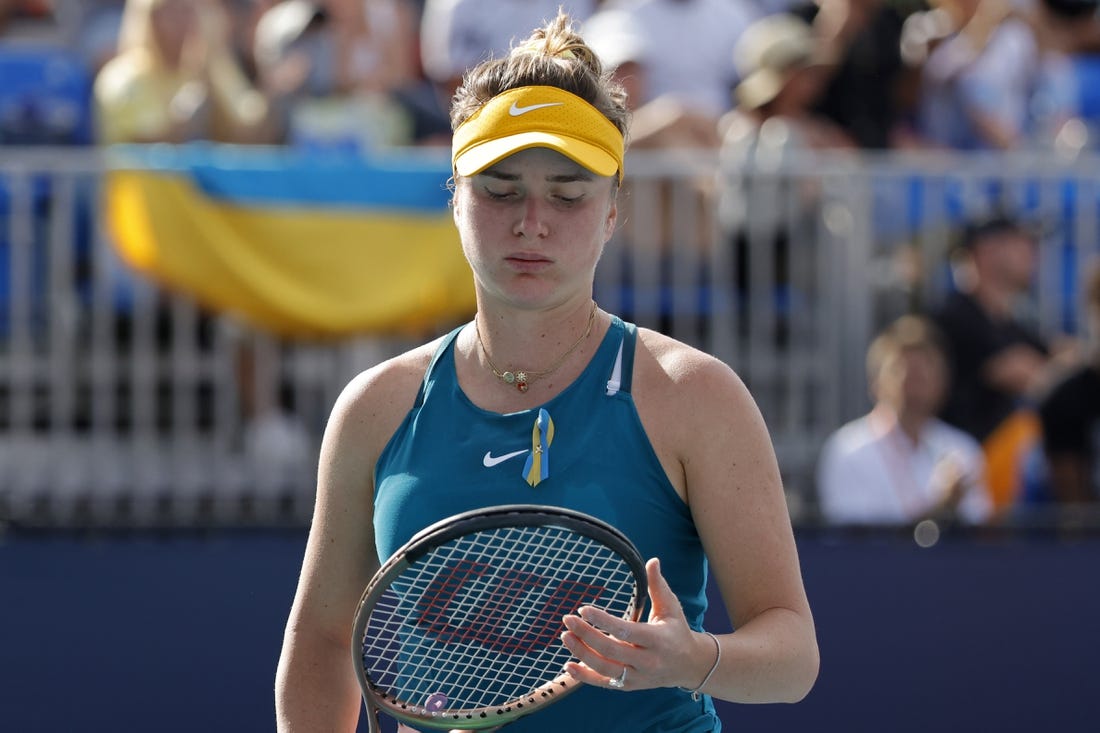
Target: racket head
461 627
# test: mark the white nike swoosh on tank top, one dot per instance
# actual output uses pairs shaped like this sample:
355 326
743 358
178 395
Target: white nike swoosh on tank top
490 460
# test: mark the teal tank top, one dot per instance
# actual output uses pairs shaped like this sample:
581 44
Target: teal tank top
450 456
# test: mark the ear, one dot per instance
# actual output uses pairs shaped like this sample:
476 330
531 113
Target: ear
455 204
612 218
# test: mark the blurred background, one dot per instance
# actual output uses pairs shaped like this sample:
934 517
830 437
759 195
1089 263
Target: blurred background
883 214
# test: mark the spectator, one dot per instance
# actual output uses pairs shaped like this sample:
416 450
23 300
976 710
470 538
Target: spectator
333 68
175 79
617 39
767 216
1002 81
682 95
782 69
244 18
456 35
998 363
899 463
1070 418
865 94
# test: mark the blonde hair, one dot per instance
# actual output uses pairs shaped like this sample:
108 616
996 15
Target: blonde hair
554 55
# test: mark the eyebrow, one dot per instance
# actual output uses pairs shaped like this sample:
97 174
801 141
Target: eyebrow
580 175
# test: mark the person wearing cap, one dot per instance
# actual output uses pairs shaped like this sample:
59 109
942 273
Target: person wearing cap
782 65
656 438
998 362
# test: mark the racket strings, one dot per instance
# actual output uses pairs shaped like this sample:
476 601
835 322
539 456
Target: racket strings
476 623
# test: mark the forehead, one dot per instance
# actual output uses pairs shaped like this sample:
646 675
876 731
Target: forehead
539 163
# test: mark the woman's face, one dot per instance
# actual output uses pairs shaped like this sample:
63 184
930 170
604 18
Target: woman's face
533 227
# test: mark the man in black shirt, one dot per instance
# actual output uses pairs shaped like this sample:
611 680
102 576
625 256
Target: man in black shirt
998 363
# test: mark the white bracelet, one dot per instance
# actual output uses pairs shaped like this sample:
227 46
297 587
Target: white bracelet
695 692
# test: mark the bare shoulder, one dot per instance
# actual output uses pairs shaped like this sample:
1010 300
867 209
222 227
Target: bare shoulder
374 402
699 416
667 370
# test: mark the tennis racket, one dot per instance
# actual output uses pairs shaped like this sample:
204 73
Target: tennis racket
461 627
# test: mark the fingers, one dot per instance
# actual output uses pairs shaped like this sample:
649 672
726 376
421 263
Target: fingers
599 642
663 602
651 652
602 621
597 636
590 676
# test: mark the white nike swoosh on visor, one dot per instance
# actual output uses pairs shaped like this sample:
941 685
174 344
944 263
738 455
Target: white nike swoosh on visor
517 111
490 460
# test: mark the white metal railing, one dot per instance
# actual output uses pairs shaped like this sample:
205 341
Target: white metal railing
124 404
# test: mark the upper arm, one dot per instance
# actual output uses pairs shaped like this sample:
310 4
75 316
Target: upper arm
737 500
734 489
340 556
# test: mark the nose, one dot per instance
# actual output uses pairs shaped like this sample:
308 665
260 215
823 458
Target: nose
532 221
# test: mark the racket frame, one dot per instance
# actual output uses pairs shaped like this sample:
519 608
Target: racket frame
454 527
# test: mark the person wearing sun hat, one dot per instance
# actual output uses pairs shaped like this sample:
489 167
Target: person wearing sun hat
545 398
771 216
782 69
770 53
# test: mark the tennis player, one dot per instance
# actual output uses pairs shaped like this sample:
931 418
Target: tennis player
547 399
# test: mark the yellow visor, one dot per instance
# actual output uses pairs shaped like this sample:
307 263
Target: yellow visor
537 117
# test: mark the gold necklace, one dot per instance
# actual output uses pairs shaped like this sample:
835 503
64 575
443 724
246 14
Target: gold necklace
522 378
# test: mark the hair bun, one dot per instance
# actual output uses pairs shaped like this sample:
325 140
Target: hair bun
539 46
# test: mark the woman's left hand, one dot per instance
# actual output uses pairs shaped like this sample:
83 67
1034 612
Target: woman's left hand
660 652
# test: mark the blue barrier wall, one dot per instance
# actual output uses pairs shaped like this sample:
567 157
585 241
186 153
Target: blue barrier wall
181 633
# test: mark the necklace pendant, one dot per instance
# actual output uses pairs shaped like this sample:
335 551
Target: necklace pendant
521 385
508 377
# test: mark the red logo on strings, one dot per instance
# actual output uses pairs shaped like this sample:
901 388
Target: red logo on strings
497 622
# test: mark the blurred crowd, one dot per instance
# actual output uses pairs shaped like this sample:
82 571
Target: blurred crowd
974 414
362 74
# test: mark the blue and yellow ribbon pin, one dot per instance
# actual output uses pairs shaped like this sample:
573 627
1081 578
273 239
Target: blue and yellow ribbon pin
537 468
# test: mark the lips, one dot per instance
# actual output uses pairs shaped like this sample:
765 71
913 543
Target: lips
528 260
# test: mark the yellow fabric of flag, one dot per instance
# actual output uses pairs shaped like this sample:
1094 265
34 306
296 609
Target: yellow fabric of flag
300 271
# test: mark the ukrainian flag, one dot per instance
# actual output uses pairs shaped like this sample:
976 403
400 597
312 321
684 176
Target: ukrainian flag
300 245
